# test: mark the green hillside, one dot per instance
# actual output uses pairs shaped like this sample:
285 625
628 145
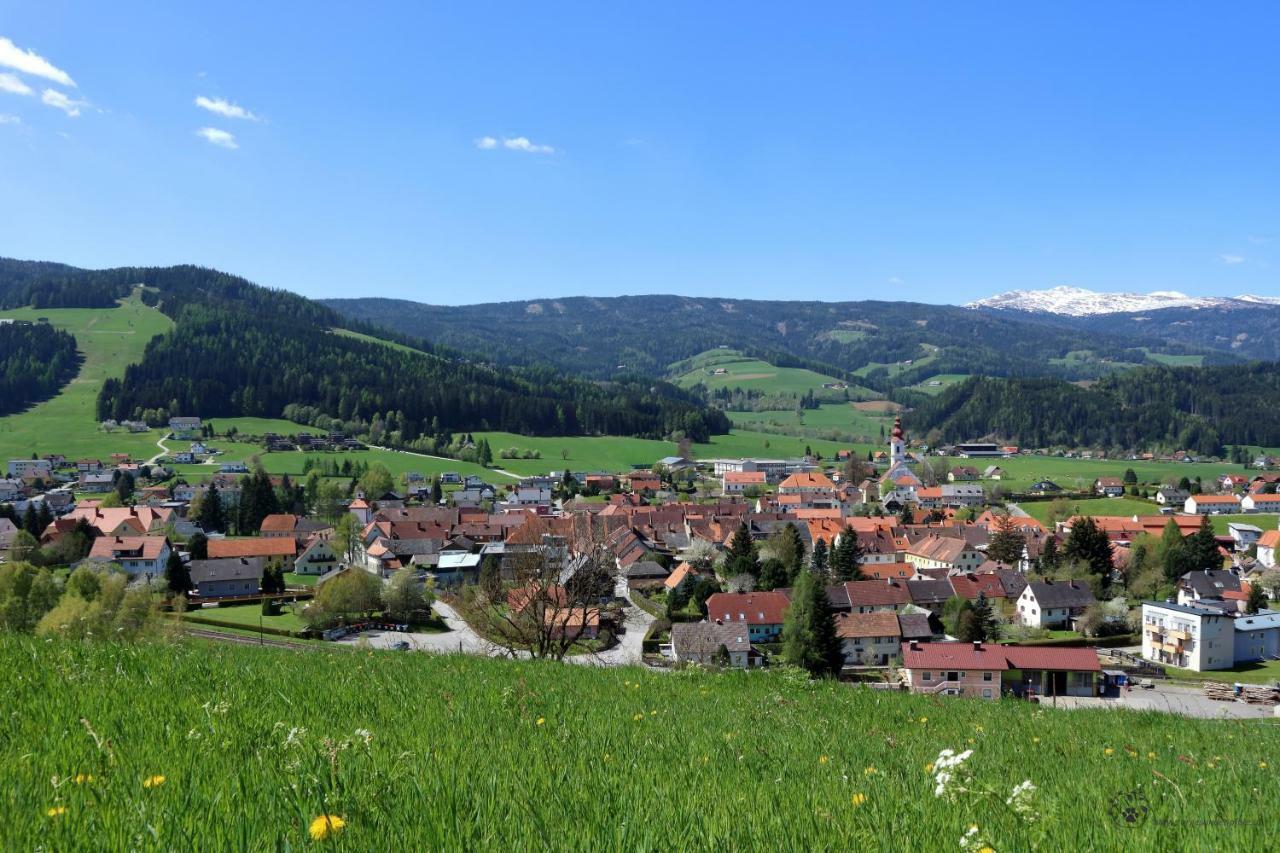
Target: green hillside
428 753
729 368
110 339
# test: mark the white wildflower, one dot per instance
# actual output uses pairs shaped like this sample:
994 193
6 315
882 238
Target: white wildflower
1021 799
365 735
944 767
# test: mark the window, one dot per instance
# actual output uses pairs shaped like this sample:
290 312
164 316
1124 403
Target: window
986 676
953 676
928 676
986 693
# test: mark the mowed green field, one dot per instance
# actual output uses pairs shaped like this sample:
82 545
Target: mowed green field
828 416
610 453
1080 473
415 752
1042 510
109 339
751 374
943 380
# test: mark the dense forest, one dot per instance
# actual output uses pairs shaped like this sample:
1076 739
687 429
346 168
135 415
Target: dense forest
1168 408
599 337
42 284
241 349
35 361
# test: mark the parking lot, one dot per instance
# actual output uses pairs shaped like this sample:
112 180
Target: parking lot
1173 699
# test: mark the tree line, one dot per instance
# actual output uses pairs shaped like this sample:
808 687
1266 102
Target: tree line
36 360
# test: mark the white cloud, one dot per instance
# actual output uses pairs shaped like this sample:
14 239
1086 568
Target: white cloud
5 118
11 84
224 108
29 62
59 101
513 143
1231 260
217 137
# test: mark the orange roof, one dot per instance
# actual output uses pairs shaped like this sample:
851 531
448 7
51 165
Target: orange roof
1270 539
807 480
883 571
748 477
882 623
1215 499
135 547
279 523
282 547
677 576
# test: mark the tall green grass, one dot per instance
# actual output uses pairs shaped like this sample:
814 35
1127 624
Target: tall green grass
419 753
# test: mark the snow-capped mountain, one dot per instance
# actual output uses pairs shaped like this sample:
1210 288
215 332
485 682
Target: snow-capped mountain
1079 302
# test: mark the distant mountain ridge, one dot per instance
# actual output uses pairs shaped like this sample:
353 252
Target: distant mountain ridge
1081 302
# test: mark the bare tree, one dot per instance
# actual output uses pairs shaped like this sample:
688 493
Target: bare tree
554 593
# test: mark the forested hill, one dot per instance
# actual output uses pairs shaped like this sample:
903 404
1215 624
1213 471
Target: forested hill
1180 408
241 349
599 337
35 361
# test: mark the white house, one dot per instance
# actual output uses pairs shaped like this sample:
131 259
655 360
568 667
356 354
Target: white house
701 643
137 555
1260 503
1188 636
317 558
1257 636
1053 604
184 427
1244 535
1211 504
37 467
1267 544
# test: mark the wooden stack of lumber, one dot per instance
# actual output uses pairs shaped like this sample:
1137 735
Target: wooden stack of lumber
1253 694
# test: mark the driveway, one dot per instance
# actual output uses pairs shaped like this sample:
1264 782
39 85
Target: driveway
630 647
1172 699
459 637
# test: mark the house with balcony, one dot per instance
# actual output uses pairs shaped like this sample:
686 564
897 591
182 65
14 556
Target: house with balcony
1189 636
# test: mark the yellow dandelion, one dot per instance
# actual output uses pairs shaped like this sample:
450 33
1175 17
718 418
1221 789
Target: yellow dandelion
987 850
541 721
1151 755
153 781
653 713
977 728
924 719
971 741
1133 754
324 826
1108 751
638 717
56 811
83 779
1035 740
822 759
1262 765
858 799
928 768
870 771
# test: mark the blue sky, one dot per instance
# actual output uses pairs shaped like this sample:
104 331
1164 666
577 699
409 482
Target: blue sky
479 151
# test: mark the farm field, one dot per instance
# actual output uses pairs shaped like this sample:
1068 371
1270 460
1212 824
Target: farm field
610 453
242 758
944 380
842 417
109 339
1042 510
752 374
1022 471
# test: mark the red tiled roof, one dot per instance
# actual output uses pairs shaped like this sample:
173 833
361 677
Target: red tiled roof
281 547
279 523
1048 657
875 593
881 623
754 608
133 547
954 656
747 477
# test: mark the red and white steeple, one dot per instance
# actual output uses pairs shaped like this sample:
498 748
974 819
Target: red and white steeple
897 445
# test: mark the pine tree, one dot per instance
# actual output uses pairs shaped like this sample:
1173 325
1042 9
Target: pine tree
1174 556
31 521
1202 548
1049 555
1086 543
211 517
177 576
1007 541
819 561
740 556
809 636
846 557
1257 598
984 626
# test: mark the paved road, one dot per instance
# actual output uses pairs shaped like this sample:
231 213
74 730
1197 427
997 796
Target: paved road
630 647
459 637
164 451
1171 699
1017 511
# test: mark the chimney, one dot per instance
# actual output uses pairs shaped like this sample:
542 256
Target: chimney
915 647
977 645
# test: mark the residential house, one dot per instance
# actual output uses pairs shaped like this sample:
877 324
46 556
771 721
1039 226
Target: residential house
1257 637
273 551
279 526
184 427
582 623
993 472
20 468
944 552
761 612
1171 496
646 574
1044 487
869 639
137 555
227 577
1111 487
740 482
962 474
706 642
1211 585
1245 536
1211 504
1267 544
318 557
869 596
11 490
1260 502
7 531
96 483
978 670
806 483
1190 636
1053 604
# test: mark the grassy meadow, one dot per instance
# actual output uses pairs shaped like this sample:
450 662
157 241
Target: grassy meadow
200 746
109 339
753 374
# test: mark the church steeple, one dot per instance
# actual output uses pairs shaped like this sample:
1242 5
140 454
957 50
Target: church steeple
897 445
